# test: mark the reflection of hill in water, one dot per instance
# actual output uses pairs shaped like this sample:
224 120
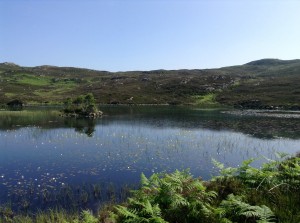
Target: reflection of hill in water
47 119
157 117
179 117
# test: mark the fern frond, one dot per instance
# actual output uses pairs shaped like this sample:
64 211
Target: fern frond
144 180
225 220
217 164
157 220
87 217
251 214
266 214
147 208
234 206
127 213
156 210
178 201
197 184
281 155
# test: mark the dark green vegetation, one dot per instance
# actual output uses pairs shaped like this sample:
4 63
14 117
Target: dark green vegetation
82 106
267 83
243 194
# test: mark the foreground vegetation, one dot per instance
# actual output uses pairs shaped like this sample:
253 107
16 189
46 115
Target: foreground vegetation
242 194
244 86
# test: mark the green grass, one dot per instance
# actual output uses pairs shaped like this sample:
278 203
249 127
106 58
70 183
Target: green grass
33 80
10 95
53 93
51 216
26 117
26 113
207 100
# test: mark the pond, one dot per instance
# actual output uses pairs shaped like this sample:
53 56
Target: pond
48 161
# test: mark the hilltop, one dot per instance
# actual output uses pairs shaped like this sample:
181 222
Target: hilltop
266 83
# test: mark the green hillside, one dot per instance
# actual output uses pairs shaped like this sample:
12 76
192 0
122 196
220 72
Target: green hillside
266 83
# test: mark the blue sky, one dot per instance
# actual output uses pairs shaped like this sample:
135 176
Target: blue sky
147 34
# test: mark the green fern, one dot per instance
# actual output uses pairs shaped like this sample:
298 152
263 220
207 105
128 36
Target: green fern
140 211
126 212
144 180
87 217
224 172
233 208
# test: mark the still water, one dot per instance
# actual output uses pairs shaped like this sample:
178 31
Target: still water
47 160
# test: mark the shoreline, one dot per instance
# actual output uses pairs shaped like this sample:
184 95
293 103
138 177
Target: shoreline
265 113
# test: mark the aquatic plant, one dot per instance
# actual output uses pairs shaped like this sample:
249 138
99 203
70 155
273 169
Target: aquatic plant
6 213
53 215
244 194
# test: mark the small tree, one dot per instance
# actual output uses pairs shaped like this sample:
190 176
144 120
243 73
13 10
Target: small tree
68 103
79 100
83 105
89 99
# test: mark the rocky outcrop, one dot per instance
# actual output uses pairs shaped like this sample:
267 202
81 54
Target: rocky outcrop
257 104
15 103
249 104
92 115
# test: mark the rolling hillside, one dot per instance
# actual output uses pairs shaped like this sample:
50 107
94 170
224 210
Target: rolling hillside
266 83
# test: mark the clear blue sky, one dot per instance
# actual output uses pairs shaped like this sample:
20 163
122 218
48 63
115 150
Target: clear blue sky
147 34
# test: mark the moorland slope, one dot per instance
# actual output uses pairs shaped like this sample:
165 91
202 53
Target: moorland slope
266 83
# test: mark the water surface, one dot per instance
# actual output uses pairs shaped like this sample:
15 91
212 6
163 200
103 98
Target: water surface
48 160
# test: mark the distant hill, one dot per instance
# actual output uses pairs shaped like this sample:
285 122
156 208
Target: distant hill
266 83
272 62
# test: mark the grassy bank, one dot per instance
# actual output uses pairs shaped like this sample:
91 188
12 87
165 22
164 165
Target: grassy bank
242 194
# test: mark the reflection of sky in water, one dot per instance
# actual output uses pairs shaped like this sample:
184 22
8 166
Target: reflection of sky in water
118 152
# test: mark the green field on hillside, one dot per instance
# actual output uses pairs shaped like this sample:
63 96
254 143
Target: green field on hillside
264 84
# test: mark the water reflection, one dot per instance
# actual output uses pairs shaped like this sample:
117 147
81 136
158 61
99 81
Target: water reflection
86 126
49 160
157 117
